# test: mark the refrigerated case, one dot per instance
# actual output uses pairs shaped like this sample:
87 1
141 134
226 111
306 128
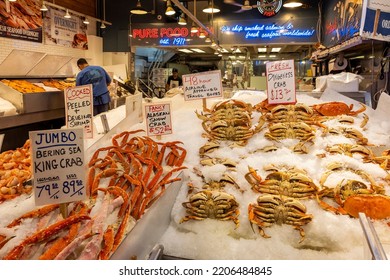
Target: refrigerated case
38 107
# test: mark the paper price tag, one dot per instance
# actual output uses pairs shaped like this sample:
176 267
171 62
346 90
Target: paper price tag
281 82
58 166
202 85
79 108
158 119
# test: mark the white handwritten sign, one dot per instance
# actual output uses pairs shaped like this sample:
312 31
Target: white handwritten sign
158 119
281 82
202 85
58 165
79 108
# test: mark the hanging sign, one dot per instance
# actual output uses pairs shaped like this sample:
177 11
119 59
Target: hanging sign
269 8
376 20
58 165
202 85
158 119
79 108
281 82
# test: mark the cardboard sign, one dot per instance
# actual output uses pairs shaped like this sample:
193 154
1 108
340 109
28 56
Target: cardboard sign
281 82
58 165
202 85
79 108
158 119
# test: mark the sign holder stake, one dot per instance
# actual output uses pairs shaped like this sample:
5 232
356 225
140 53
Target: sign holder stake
64 210
376 21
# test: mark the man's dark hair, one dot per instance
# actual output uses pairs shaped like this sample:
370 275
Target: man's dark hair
81 61
174 70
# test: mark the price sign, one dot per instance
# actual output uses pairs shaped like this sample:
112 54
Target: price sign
202 85
281 82
79 108
158 119
58 165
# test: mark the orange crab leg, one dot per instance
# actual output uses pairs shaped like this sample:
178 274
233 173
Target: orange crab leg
34 214
108 243
44 234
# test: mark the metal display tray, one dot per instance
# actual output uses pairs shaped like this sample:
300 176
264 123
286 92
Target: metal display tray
33 102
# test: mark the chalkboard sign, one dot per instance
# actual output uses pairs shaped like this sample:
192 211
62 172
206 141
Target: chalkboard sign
281 82
58 165
79 108
158 119
202 85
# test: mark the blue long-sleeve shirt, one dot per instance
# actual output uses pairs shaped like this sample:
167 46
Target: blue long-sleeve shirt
99 79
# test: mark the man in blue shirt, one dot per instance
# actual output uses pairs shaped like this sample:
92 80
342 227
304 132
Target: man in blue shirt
100 81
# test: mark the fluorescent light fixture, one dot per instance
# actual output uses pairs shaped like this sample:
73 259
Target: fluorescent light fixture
261 56
138 10
262 49
216 52
170 11
276 49
272 56
241 57
198 50
219 54
67 15
211 9
185 51
86 21
292 4
357 57
11 0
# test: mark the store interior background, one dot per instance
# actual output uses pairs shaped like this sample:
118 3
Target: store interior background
134 60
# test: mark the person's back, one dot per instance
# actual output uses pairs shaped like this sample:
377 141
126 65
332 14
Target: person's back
99 79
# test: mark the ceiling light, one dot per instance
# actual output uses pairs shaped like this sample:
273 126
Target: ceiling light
262 49
86 21
169 11
182 20
219 54
237 50
185 50
198 50
211 8
247 5
208 40
276 49
262 55
292 4
272 55
102 26
202 35
194 28
11 0
138 10
224 50
44 8
216 52
213 44
67 15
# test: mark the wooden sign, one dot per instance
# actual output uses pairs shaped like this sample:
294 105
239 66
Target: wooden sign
58 165
158 119
202 85
281 82
79 108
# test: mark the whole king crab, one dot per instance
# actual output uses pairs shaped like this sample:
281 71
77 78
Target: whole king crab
211 204
274 209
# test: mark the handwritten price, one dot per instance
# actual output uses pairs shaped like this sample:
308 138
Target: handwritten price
158 130
280 94
53 190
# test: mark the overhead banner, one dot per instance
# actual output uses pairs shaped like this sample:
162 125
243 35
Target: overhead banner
21 20
376 20
69 32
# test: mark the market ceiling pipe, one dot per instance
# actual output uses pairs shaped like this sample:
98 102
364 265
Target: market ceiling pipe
191 16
